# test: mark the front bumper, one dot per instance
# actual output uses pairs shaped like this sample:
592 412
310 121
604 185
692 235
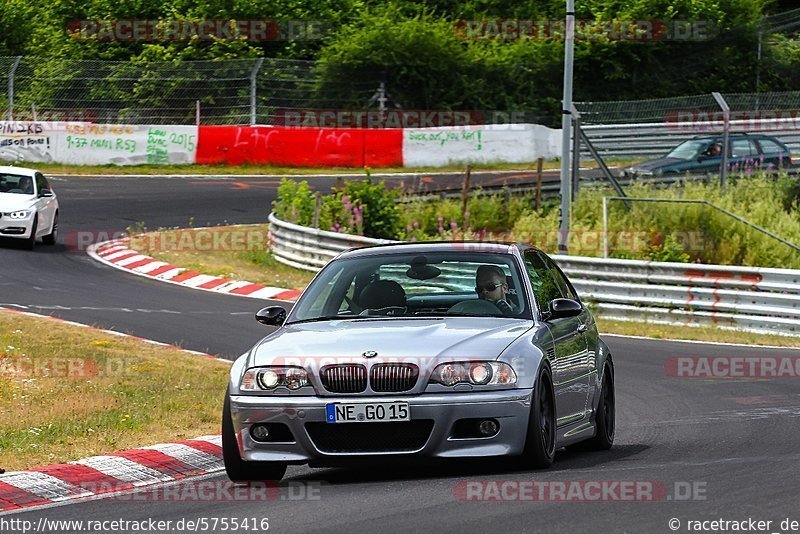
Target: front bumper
510 408
19 228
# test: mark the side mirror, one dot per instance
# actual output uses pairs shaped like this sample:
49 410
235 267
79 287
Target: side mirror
271 316
45 193
560 308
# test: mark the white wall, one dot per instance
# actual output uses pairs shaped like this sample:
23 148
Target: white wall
512 143
96 144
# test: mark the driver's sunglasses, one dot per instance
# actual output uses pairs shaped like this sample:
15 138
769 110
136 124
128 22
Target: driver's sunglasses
488 287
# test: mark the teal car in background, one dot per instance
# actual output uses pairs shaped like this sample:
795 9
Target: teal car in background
701 155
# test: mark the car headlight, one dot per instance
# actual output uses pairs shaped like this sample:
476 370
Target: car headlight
475 373
21 214
268 378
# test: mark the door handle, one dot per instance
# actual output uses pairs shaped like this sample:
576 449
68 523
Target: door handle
581 328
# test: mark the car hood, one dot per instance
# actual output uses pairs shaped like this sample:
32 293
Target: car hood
656 164
429 339
14 202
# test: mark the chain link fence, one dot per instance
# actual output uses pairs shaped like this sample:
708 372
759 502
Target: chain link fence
634 128
235 91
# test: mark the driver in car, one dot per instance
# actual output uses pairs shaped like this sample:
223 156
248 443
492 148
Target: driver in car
26 185
491 285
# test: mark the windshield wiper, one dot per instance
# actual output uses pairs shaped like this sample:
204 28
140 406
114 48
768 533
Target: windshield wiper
326 318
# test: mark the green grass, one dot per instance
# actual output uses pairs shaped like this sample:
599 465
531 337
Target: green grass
692 333
116 394
660 231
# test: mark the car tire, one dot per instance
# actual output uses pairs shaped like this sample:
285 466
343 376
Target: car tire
540 440
50 239
237 469
30 243
605 422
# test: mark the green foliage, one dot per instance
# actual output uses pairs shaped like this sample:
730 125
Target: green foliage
295 202
669 250
651 231
410 54
361 207
422 54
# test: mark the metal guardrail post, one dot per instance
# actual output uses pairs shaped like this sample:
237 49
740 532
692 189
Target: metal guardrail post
566 123
253 90
726 111
576 152
604 168
11 88
605 227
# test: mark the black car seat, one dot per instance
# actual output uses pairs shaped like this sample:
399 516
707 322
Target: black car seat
383 297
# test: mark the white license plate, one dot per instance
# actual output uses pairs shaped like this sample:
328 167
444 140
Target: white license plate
367 412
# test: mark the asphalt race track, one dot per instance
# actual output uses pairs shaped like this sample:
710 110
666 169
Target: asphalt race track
713 449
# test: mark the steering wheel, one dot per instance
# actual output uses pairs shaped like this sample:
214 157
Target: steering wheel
475 307
387 310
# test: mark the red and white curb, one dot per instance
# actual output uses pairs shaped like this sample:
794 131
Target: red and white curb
117 254
115 472
119 471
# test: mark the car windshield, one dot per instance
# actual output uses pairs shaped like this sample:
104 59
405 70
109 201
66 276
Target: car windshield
14 183
429 284
687 150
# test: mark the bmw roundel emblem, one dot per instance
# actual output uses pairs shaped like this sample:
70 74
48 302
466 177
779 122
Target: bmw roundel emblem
370 354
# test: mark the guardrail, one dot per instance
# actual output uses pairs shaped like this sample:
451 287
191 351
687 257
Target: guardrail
656 139
309 248
754 299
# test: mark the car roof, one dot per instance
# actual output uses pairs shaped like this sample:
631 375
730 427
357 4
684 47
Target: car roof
707 137
20 171
488 247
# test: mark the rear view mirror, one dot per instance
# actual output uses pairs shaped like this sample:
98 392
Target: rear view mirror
271 316
560 308
45 193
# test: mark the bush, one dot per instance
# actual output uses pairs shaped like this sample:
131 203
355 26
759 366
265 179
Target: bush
295 202
650 231
361 207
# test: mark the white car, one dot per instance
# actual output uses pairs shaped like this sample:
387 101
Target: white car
28 206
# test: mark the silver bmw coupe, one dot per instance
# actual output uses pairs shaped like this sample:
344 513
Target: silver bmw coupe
435 350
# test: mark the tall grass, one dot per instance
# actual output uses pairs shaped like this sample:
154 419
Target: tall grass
659 231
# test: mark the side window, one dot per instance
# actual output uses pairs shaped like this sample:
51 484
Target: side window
41 183
768 146
563 283
742 148
545 287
